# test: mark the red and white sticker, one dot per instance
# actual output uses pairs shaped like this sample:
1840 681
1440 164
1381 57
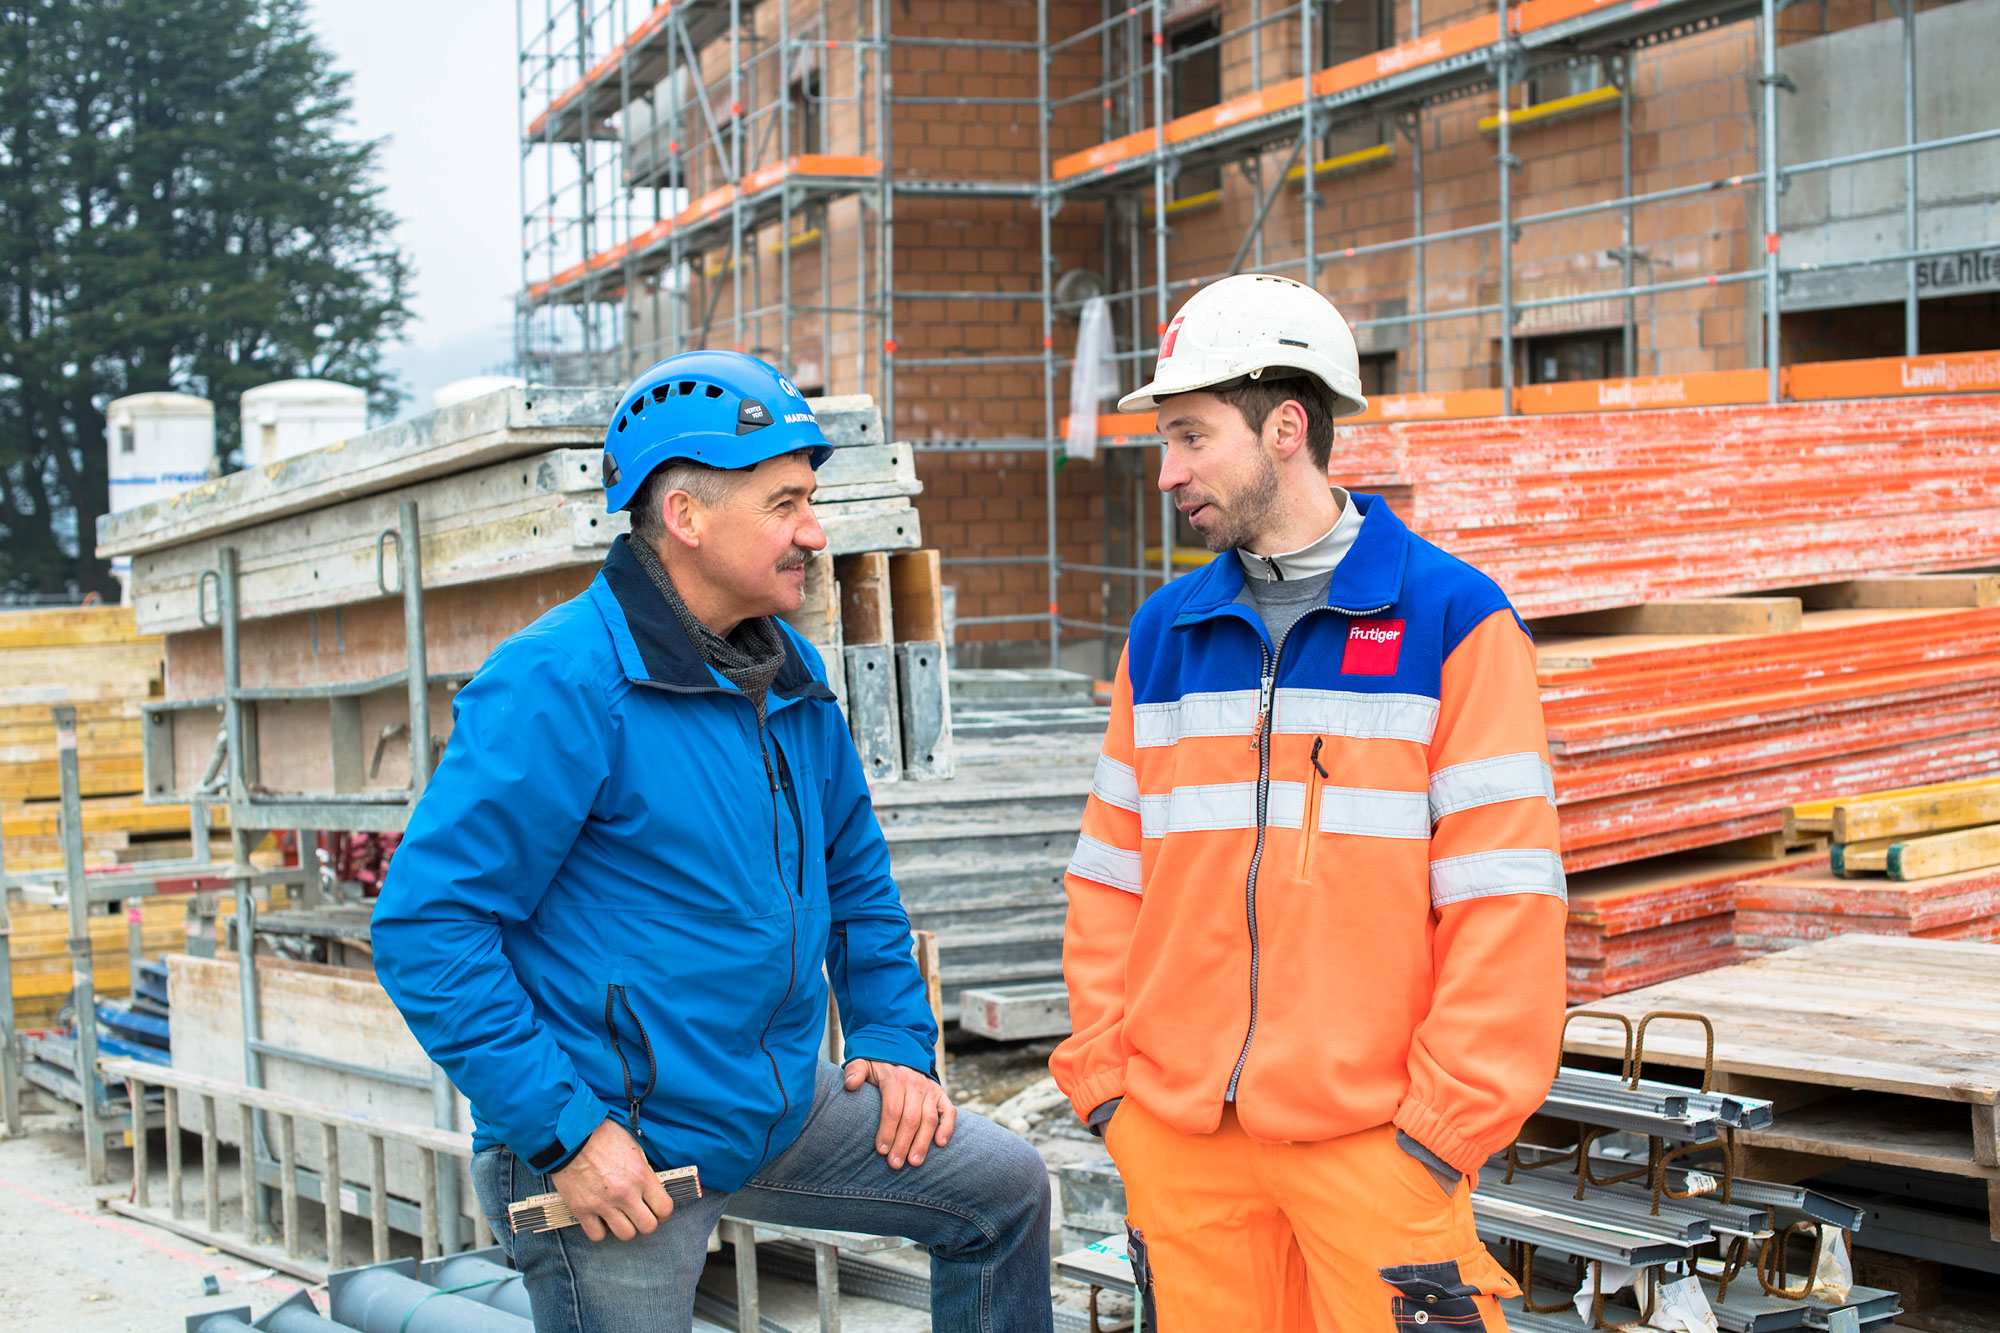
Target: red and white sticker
1372 648
1173 334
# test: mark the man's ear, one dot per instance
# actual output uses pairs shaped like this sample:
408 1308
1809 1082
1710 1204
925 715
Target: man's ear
1285 429
681 514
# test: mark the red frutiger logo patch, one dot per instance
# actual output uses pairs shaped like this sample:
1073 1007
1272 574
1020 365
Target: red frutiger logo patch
1372 648
1173 332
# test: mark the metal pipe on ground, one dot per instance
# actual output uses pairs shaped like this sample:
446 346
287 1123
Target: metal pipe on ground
296 1315
478 1278
299 1315
387 1298
222 1321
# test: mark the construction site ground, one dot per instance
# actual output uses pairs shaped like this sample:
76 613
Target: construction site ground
86 1269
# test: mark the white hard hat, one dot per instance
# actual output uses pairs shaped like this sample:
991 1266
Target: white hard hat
1246 327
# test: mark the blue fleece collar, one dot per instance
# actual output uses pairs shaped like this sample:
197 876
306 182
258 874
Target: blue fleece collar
1368 579
654 649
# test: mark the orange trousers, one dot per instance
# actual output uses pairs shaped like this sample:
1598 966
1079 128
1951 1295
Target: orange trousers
1347 1235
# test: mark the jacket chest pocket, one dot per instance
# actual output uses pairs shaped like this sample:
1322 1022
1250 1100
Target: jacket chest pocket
1309 838
1332 808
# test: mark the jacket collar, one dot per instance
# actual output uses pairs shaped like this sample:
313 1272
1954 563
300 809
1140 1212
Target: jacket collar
1369 578
654 649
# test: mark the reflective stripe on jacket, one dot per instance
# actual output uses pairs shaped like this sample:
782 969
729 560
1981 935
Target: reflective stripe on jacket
1325 881
616 896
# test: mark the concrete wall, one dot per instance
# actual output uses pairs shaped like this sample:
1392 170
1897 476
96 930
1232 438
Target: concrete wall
1849 100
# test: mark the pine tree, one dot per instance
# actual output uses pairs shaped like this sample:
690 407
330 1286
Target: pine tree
179 210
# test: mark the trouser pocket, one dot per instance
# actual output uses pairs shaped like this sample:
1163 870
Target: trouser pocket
1427 1298
1142 1279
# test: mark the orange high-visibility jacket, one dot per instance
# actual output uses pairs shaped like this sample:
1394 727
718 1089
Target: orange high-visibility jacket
1323 882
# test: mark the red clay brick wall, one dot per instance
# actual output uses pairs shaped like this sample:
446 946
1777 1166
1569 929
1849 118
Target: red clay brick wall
1693 108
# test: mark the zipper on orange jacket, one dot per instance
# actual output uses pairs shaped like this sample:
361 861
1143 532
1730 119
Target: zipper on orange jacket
1309 826
1261 738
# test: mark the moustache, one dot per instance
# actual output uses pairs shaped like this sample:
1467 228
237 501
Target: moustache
796 558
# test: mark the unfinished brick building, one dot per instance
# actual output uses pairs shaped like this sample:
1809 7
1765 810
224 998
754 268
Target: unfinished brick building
915 198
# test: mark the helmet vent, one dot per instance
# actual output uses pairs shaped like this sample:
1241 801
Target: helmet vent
687 388
638 405
715 391
660 394
1291 342
621 423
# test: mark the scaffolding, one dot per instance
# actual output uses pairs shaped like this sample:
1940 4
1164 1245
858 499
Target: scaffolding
705 103
660 142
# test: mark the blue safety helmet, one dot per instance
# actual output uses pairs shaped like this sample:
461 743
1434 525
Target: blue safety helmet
725 409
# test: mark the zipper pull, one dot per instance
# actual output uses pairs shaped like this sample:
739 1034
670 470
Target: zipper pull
633 1115
1317 742
1263 711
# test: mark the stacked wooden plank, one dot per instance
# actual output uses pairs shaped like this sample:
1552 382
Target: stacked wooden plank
1662 742
1594 510
1918 862
93 658
38 951
1658 919
1915 833
511 521
89 656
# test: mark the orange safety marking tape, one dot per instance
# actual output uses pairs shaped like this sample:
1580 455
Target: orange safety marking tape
1715 388
705 207
1277 97
1429 406
1428 49
1895 376
1105 154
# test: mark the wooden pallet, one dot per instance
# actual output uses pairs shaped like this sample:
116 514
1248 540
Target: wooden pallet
1876 1050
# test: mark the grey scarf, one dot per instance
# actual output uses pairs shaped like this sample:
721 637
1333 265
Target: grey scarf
749 658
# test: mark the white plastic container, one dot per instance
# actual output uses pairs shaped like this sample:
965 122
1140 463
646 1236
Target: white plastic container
291 417
157 444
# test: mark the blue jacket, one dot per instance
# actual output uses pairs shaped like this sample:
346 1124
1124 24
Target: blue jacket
617 893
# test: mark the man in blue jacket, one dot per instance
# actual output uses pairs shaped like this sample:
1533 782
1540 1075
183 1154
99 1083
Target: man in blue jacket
614 913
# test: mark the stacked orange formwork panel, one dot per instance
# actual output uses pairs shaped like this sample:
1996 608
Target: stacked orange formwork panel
1665 744
1662 743
1794 909
1652 921
1594 510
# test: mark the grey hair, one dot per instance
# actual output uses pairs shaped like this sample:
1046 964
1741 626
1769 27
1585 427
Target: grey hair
710 487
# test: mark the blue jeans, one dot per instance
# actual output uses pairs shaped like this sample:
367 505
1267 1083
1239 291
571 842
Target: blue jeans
980 1205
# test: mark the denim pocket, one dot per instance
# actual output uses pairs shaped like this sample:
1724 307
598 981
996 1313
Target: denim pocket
493 1182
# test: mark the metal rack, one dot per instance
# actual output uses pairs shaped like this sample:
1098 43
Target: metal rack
252 813
609 68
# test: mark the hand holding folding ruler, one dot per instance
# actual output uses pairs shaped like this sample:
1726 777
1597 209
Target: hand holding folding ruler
548 1212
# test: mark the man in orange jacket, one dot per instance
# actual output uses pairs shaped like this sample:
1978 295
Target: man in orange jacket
1314 948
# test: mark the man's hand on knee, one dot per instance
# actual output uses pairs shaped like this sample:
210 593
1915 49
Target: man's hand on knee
611 1188
915 1111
